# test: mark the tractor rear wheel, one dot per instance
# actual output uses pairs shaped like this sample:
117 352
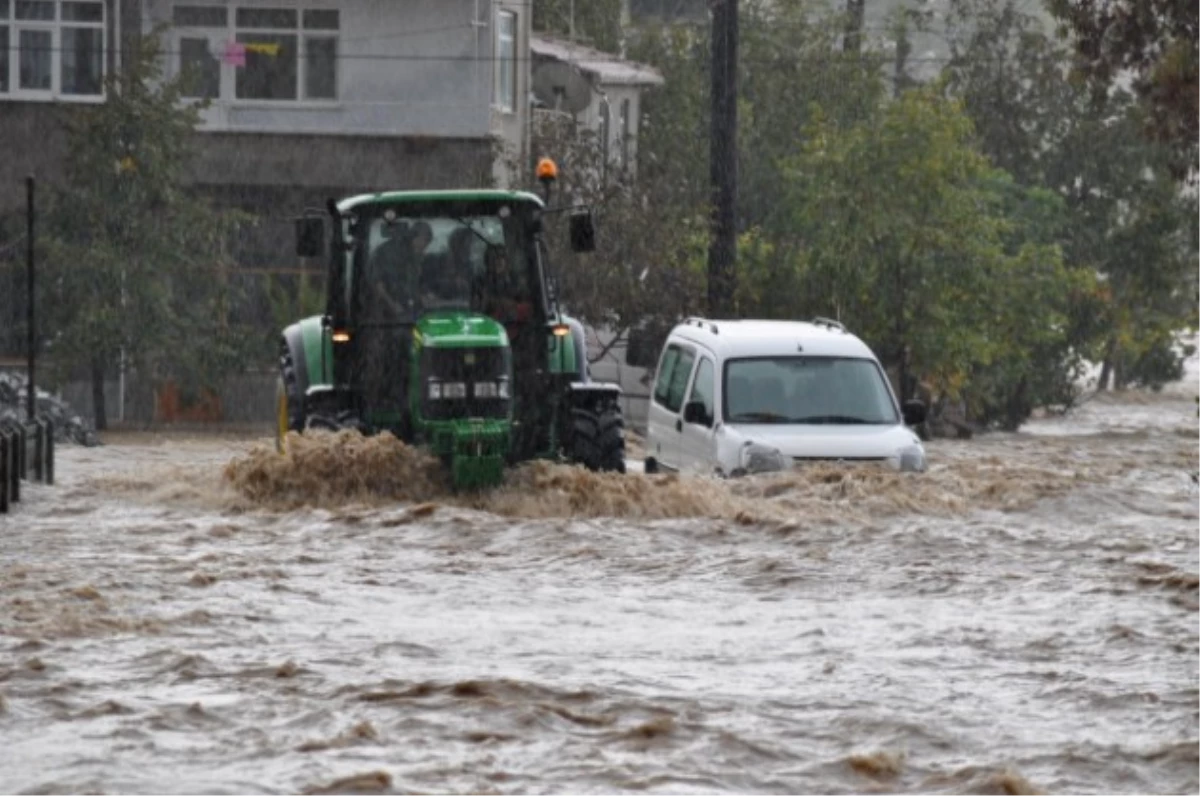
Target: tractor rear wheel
598 437
289 405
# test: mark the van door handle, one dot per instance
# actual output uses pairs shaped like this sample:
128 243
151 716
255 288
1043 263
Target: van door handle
678 424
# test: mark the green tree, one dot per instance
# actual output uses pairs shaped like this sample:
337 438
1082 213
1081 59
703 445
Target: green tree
1128 228
136 264
908 240
595 22
1156 42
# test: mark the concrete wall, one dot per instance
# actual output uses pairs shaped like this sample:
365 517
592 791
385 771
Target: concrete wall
353 162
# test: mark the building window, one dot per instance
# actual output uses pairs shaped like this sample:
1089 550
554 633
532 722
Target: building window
82 52
506 61
274 54
57 47
271 69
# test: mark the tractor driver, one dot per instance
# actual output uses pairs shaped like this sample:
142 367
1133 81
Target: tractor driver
395 266
500 293
450 279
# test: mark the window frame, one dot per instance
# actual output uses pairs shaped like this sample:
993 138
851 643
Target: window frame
227 92
703 359
502 67
13 28
663 400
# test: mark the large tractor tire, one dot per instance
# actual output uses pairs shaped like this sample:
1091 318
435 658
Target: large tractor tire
289 403
598 437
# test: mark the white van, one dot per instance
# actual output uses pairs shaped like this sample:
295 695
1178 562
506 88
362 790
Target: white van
736 397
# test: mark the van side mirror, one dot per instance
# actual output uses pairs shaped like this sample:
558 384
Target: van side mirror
639 349
310 236
914 412
583 231
696 412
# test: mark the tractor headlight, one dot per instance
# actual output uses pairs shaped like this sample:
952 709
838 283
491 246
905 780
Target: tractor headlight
448 390
491 389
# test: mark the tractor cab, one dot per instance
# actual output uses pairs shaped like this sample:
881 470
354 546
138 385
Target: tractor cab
440 328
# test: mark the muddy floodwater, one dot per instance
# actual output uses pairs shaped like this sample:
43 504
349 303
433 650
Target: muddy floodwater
185 614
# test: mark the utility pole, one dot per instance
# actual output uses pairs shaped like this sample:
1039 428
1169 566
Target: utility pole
722 252
852 43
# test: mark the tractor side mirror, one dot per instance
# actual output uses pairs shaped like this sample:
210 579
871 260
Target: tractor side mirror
695 412
310 236
640 351
583 231
914 412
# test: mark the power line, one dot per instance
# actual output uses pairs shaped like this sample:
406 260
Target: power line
418 58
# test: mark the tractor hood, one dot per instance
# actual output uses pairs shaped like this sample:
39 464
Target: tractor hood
456 329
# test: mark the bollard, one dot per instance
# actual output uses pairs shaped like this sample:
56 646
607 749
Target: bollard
22 432
3 473
11 474
14 466
37 450
49 475
40 455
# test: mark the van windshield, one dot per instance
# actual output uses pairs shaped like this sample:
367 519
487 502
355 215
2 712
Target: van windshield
807 389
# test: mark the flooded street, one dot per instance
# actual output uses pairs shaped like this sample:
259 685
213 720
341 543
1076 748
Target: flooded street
1022 618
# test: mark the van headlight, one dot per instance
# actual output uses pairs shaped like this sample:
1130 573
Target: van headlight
758 458
910 458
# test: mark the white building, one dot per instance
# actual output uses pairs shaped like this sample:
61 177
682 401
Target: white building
598 90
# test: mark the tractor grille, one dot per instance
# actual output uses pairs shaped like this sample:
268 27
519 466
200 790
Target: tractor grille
467 366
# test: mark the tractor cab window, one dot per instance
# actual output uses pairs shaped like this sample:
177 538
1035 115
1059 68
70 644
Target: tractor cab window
416 265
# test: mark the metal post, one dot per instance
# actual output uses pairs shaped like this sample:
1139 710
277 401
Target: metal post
39 450
30 331
3 472
23 452
14 475
48 475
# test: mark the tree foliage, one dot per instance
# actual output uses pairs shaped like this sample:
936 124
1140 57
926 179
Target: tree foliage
594 22
136 264
1156 42
915 240
985 233
1126 224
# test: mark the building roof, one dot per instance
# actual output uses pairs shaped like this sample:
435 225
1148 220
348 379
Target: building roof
605 68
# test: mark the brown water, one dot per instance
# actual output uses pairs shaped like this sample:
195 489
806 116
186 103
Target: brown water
184 615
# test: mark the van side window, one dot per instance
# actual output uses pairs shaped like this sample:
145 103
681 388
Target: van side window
664 373
702 388
673 377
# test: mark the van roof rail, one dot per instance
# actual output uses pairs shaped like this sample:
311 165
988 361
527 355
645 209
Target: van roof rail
832 324
701 322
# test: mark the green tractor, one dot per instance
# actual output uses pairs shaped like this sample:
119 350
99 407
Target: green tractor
442 326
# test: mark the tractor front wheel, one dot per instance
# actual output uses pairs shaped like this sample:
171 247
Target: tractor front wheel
598 437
